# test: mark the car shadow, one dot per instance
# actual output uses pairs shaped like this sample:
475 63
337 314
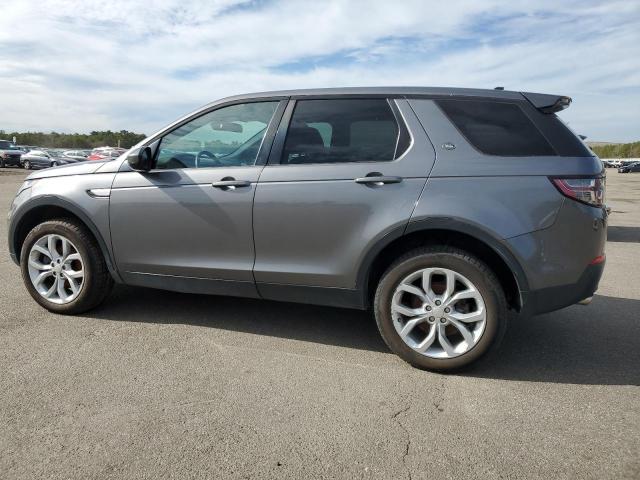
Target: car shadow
594 345
324 325
623 234
597 344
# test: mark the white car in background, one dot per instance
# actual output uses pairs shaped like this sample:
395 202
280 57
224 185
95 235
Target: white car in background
77 154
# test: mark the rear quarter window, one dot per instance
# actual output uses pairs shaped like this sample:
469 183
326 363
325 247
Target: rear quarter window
496 128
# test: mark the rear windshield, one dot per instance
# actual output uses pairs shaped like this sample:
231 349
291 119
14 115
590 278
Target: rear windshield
496 128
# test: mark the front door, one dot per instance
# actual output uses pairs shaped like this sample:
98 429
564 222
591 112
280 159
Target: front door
187 224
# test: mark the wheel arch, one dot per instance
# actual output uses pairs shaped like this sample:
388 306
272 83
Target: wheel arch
446 231
50 207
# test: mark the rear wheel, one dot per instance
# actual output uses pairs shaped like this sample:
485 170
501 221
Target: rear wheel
440 308
54 164
26 165
63 267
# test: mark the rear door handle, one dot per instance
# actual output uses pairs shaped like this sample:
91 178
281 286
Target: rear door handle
378 180
230 183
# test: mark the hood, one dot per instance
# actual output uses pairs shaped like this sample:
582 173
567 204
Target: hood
77 168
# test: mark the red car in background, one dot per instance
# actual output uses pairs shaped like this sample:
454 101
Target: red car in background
99 154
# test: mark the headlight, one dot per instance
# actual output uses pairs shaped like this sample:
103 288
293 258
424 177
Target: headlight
25 185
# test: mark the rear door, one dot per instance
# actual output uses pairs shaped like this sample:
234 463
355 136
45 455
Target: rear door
343 173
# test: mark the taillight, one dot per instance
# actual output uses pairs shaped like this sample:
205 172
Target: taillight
586 190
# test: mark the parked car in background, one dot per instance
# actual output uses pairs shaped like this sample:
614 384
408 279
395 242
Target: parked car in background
103 154
9 154
45 159
615 163
26 148
77 154
443 211
630 168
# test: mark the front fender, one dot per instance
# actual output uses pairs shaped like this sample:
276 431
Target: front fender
36 205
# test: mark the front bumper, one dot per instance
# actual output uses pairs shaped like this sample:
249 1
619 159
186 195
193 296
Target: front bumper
12 160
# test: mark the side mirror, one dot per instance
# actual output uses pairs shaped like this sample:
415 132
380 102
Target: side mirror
141 160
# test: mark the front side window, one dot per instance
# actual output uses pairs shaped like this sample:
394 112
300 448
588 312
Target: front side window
228 137
341 130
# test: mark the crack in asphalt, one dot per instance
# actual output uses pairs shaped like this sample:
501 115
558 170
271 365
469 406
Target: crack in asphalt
437 409
394 417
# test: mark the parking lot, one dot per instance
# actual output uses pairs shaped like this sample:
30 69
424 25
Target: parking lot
164 385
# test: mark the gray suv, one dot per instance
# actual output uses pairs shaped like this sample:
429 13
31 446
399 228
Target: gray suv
444 211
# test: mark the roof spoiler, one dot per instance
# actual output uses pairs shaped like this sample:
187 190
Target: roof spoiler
547 103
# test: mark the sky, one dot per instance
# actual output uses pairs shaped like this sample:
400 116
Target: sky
78 66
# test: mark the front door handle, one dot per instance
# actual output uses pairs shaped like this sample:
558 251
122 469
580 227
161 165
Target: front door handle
377 179
230 183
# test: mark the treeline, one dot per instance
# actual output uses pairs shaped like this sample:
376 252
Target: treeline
75 140
621 150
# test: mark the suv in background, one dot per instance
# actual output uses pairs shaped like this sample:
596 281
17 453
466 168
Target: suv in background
9 154
444 211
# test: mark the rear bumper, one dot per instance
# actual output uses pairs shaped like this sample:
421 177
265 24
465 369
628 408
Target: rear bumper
557 297
558 260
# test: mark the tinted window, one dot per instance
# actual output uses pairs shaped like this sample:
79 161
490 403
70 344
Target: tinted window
496 128
342 130
229 136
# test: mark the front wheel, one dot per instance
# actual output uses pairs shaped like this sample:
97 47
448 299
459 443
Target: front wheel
54 164
440 308
63 267
26 165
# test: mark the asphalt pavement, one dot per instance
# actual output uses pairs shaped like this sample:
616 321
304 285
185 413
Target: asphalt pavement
164 385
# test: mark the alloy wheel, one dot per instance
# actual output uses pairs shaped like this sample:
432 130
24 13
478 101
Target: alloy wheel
438 312
56 269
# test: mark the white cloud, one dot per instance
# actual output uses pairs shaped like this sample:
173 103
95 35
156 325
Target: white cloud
85 65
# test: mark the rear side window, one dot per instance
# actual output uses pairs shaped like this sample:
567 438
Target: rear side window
496 128
342 130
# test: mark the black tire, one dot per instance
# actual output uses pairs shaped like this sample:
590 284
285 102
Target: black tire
54 164
26 165
97 281
470 267
1 162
